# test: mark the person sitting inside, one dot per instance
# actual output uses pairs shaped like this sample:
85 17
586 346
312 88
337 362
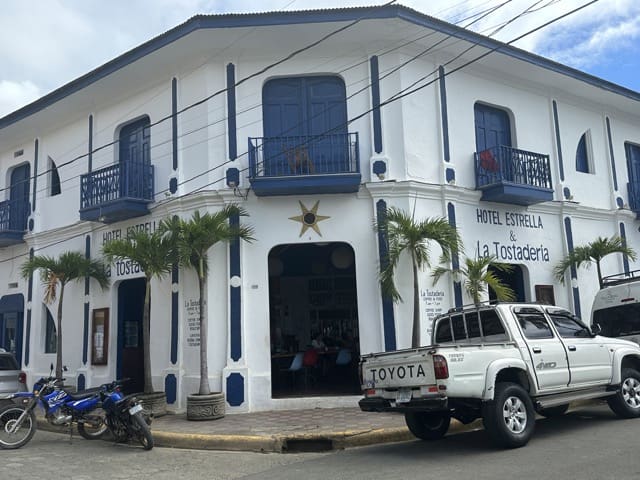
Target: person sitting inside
318 342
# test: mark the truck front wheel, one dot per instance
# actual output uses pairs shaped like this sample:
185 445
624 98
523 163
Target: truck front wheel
428 426
626 402
510 418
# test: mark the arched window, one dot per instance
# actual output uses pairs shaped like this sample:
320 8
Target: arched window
54 179
583 154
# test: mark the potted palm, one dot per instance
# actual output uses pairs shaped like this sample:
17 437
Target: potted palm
155 253
408 236
55 274
194 238
477 276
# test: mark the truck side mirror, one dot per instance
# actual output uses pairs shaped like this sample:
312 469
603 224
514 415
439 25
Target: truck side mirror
596 329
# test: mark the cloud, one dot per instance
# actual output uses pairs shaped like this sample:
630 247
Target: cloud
14 95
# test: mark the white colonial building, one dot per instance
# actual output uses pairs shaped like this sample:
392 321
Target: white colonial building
315 122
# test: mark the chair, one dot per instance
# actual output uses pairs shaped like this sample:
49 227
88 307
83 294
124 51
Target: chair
344 357
310 361
296 366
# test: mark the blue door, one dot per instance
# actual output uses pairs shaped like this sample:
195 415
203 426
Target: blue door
305 126
11 324
134 147
492 127
633 169
19 198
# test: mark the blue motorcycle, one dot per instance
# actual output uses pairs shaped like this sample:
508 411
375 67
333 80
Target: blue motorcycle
94 411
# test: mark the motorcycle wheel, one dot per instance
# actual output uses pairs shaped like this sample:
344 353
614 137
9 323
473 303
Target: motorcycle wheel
8 418
93 427
142 431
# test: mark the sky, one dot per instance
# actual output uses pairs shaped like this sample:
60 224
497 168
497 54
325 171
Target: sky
45 44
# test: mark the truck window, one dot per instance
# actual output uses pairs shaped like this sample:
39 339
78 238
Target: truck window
459 331
473 326
492 328
534 325
568 326
443 331
619 321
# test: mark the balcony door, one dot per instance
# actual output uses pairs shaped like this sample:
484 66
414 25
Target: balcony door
305 126
134 149
19 198
492 127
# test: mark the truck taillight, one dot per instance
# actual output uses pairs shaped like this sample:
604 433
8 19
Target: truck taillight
22 377
440 367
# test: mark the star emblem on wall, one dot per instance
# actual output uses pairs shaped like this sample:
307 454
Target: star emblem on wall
309 218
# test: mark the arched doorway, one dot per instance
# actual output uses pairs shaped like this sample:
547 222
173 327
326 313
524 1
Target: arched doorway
130 347
313 319
513 279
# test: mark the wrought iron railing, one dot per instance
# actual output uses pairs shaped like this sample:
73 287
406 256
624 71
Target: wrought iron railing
14 215
633 189
303 155
506 164
127 180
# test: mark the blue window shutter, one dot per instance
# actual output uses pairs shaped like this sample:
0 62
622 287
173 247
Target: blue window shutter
582 160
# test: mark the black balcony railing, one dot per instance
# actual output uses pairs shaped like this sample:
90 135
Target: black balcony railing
303 155
13 215
507 164
127 180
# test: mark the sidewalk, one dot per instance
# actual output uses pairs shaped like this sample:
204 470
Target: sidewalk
282 431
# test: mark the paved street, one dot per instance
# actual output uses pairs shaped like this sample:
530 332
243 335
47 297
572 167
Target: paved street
589 443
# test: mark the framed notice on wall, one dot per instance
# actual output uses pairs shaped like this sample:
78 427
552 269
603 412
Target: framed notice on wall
544 295
100 336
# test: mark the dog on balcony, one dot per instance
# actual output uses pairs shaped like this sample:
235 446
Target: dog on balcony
298 160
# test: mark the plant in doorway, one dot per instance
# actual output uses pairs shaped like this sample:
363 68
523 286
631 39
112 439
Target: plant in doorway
194 238
54 272
477 277
156 255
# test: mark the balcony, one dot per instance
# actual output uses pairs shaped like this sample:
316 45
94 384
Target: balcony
116 192
304 164
509 175
13 221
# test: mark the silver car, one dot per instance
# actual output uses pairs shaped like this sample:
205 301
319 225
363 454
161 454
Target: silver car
12 379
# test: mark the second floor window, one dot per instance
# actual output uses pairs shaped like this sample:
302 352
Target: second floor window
583 154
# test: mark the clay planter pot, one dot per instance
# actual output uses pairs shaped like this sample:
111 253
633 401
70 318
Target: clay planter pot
205 407
154 403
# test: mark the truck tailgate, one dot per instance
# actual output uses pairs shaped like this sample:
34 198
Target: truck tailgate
398 369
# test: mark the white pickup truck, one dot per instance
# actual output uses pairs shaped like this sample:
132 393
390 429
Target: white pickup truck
502 363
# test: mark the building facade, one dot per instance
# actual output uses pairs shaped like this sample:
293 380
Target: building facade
316 123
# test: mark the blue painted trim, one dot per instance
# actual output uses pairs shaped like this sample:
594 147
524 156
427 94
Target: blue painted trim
388 319
173 185
27 339
87 254
171 388
304 17
233 177
36 152
174 123
231 111
30 282
379 167
90 143
306 184
235 389
574 273
81 382
450 175
613 162
444 113
375 102
85 334
455 259
625 258
567 192
235 297
174 315
556 124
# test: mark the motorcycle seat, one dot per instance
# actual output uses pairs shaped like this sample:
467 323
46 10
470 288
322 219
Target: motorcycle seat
89 392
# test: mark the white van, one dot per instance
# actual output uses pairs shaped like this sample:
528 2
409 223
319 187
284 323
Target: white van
616 307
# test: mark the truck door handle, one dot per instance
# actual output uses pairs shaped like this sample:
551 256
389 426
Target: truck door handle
572 348
536 350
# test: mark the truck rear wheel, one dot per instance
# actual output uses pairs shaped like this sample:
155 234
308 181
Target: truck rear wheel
510 418
428 426
626 402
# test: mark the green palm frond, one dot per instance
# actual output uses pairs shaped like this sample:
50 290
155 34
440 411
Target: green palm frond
154 252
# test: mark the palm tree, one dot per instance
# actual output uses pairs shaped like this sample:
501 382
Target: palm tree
56 273
593 252
406 235
194 238
155 253
477 277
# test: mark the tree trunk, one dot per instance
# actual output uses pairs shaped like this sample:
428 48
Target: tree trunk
204 366
415 337
59 334
146 336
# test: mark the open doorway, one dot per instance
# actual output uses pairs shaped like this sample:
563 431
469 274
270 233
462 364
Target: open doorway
513 279
130 345
313 320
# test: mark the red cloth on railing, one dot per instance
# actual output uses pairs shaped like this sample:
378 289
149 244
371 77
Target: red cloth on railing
488 161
